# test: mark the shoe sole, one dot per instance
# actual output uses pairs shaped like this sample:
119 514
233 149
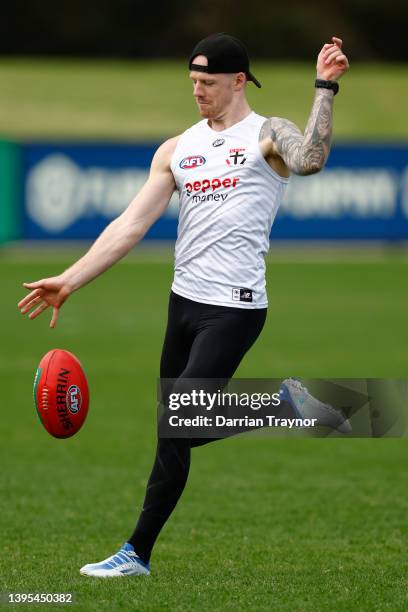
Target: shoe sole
111 573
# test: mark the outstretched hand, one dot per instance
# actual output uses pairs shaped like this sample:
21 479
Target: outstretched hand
49 292
332 63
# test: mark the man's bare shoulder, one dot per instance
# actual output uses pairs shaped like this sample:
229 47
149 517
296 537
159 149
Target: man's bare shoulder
273 125
163 155
170 144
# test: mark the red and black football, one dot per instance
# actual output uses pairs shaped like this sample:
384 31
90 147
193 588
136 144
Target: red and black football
61 393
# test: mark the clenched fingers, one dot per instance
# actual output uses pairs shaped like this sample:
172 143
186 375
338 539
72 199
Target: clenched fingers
327 49
337 41
333 55
342 58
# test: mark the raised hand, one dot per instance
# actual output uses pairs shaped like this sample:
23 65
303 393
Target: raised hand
332 63
45 293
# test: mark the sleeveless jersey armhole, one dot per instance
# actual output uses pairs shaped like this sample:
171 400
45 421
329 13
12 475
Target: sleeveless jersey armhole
262 160
282 179
173 162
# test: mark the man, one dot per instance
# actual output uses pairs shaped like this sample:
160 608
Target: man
230 170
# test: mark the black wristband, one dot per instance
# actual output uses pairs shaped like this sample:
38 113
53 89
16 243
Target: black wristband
333 85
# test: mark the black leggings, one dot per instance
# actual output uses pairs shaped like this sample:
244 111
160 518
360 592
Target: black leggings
202 341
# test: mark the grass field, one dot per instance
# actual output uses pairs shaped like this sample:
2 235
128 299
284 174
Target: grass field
264 524
125 100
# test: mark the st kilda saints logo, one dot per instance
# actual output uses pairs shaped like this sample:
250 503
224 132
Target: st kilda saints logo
236 157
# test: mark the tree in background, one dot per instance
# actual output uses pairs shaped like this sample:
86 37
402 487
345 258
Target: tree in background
293 29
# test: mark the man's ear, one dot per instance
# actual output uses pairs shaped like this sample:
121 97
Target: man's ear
240 80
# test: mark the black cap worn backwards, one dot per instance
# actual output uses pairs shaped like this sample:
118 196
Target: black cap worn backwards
224 53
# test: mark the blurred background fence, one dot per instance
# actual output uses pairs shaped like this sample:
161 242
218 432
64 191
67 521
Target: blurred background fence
71 191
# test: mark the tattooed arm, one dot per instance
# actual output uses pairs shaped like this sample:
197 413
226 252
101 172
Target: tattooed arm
302 153
284 146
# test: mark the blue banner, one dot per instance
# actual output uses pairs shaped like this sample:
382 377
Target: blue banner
73 191
362 193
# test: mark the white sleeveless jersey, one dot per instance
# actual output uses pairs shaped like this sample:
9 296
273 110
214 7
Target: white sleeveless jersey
229 196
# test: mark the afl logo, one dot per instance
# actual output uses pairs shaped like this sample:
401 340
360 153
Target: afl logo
218 142
74 399
192 161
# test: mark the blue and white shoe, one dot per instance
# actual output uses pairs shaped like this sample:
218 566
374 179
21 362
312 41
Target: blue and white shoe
124 563
308 407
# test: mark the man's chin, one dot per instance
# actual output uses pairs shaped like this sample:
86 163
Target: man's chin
204 111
